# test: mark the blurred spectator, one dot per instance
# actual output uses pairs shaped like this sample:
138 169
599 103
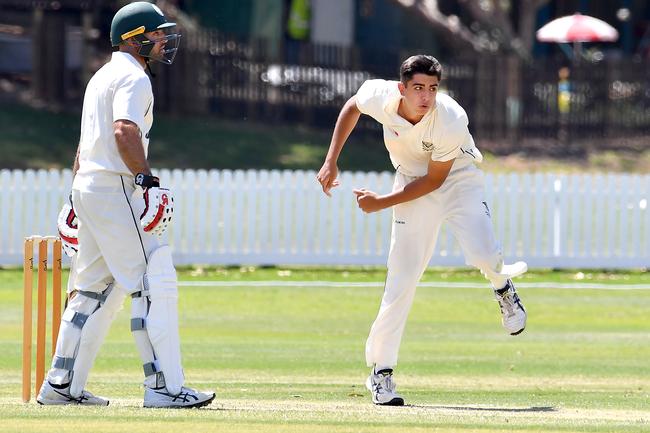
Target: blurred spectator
298 26
564 91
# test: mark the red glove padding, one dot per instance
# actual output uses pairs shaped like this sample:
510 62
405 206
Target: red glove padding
158 210
68 229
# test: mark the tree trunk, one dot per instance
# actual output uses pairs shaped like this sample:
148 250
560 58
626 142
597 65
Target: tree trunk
48 66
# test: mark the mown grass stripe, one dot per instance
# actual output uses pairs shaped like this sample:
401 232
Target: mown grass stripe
441 284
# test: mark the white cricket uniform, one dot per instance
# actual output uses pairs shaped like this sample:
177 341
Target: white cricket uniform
112 244
441 135
113 248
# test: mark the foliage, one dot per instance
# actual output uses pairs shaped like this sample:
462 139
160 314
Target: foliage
488 25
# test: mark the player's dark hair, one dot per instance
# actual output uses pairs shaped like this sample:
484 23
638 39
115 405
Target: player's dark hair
419 64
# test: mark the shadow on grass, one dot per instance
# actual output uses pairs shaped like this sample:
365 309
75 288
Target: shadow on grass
488 409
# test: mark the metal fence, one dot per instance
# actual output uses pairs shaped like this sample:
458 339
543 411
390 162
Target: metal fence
507 100
512 105
275 218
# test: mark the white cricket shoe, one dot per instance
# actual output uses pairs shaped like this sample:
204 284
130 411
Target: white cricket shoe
187 398
53 395
513 313
382 388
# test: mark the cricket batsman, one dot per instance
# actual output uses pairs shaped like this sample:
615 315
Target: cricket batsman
119 210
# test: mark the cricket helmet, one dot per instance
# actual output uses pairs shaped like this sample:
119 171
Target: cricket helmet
138 18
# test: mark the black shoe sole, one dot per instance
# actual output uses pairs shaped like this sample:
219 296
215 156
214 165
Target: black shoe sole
393 402
518 332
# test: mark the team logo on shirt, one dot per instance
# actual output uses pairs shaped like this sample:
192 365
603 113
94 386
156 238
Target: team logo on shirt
427 147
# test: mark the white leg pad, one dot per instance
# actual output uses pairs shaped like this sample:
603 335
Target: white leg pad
161 321
92 337
84 325
139 310
74 318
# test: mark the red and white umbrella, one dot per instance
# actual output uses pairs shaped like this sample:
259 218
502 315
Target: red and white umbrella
577 28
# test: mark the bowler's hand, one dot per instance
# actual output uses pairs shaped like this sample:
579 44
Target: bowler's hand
327 177
368 201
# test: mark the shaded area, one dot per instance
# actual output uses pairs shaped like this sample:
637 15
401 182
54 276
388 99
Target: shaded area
33 138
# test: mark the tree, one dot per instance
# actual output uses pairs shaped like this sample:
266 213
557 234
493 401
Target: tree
491 26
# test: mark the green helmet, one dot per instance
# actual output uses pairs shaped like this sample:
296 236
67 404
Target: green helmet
138 18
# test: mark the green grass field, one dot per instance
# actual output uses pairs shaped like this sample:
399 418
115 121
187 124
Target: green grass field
290 358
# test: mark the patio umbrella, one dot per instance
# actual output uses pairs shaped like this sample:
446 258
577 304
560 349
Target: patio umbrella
576 29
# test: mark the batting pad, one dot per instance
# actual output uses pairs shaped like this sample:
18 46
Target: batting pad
93 332
139 312
162 319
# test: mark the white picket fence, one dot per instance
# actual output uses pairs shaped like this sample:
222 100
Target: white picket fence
282 217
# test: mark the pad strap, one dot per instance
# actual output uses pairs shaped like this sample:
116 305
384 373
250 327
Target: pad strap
93 295
138 324
140 294
151 368
63 363
77 319
101 297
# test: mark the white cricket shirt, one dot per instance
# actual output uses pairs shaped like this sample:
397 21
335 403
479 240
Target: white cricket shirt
119 90
441 135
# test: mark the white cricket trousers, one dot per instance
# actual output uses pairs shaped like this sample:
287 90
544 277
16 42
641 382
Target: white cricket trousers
112 244
460 203
112 248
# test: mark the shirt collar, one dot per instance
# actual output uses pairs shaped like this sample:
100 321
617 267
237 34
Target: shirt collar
122 56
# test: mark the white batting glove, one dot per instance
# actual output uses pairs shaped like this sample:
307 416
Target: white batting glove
67 224
158 205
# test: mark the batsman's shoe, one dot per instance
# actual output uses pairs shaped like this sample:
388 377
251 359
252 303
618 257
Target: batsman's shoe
55 395
382 388
187 398
513 313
